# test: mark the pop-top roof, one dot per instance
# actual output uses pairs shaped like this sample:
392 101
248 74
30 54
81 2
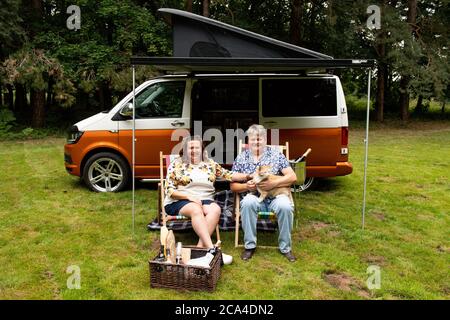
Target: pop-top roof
202 44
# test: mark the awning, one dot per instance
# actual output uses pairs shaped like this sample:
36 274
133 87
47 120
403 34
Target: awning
246 65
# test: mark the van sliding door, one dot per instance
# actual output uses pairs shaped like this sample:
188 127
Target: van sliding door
223 107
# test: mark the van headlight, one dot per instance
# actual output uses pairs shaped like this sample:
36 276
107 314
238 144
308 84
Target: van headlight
74 135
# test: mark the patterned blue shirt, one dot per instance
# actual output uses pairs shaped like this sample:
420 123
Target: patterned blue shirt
271 157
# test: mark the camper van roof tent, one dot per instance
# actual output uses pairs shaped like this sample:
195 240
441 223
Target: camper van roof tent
204 45
195 35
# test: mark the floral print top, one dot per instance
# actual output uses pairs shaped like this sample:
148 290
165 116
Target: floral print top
193 179
244 162
271 157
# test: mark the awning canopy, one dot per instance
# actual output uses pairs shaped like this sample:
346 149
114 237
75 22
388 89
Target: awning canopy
245 65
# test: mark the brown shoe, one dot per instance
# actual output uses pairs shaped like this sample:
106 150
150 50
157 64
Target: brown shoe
247 254
290 256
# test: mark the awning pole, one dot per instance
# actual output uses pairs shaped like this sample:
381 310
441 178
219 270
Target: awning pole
366 142
133 142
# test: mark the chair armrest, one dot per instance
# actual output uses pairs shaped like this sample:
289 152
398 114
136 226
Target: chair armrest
159 204
236 204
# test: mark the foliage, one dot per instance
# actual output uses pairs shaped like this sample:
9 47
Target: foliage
11 32
33 68
94 60
6 121
111 31
8 127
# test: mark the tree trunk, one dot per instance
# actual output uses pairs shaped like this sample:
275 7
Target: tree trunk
21 100
404 98
101 98
188 6
37 13
206 8
38 108
1 95
382 79
443 107
49 93
381 89
9 100
412 14
295 21
309 36
81 107
404 82
419 104
104 97
107 96
38 7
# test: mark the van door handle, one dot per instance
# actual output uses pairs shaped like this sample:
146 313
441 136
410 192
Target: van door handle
270 122
177 123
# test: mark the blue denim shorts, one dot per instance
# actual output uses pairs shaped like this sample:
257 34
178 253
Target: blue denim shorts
174 208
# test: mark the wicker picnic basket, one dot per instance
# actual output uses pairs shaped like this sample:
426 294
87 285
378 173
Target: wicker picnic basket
184 277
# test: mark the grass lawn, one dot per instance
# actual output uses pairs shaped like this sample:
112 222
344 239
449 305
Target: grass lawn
49 221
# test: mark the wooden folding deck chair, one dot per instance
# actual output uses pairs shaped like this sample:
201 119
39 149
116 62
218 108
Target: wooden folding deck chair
178 222
262 215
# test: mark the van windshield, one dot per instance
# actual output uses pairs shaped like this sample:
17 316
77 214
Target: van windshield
162 99
298 97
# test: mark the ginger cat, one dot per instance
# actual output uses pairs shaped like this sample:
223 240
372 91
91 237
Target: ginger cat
263 173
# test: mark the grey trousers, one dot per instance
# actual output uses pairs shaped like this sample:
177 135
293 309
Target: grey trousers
281 206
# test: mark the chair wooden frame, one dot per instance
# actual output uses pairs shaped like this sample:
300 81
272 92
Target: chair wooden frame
283 149
161 195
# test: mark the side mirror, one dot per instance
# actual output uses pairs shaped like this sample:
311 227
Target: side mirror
127 110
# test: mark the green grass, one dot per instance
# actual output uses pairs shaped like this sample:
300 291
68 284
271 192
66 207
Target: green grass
49 221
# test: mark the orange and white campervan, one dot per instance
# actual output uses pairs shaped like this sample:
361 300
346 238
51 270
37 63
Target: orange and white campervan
219 92
100 148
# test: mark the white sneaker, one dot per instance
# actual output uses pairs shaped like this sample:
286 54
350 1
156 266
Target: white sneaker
227 259
202 261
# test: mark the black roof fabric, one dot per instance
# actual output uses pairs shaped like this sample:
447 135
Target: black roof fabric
198 36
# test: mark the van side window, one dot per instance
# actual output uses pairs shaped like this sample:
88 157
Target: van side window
299 97
224 103
226 95
161 100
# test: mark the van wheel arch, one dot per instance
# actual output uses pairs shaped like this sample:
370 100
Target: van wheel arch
88 155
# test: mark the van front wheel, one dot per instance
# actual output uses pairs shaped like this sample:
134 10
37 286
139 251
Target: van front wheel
106 172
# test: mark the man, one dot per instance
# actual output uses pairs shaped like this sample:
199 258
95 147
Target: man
258 154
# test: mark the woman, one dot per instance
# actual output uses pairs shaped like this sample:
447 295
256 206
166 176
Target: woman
258 154
190 189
